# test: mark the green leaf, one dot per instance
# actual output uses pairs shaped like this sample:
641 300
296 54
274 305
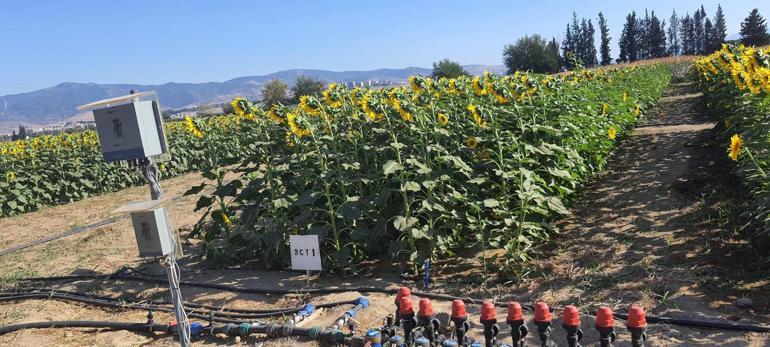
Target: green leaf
390 167
478 180
490 203
403 223
281 203
411 186
559 173
209 175
420 233
350 211
555 204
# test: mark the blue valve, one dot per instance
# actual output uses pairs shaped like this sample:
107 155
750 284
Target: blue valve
422 341
397 341
196 329
374 337
362 301
306 310
449 343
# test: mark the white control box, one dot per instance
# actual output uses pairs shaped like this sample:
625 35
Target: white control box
152 228
129 127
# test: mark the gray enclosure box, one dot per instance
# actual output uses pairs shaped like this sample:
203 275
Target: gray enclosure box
153 232
129 127
152 227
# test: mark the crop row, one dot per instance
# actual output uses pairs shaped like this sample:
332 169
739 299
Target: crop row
425 171
58 169
736 82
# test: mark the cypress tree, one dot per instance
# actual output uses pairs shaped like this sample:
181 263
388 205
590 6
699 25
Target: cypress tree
589 44
643 36
699 32
720 30
708 36
673 34
567 45
687 34
656 38
553 54
628 39
754 30
605 37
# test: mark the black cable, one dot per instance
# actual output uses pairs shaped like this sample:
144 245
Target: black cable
120 275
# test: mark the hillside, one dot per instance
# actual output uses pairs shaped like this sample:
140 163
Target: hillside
59 102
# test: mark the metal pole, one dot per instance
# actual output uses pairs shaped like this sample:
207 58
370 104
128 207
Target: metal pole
152 176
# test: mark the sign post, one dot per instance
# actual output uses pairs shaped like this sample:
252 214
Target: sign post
305 252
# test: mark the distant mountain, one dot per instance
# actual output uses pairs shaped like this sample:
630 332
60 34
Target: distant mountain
731 37
55 104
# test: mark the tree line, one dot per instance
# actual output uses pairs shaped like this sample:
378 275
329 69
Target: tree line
642 37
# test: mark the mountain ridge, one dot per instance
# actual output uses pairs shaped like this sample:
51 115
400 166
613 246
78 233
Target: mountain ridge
57 103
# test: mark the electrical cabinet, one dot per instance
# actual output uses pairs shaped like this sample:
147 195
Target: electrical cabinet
129 127
152 228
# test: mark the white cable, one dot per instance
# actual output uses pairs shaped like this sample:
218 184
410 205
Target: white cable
176 297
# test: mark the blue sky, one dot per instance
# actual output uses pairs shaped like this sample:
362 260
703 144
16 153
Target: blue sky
48 42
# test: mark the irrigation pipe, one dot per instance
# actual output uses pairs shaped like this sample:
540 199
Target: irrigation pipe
143 327
212 315
48 291
328 336
121 274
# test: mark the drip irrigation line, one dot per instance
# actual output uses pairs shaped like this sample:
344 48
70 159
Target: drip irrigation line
121 274
73 231
325 336
211 316
216 315
139 327
223 309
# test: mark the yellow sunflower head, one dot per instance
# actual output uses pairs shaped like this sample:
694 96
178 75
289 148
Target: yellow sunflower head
238 104
611 133
736 142
443 120
472 142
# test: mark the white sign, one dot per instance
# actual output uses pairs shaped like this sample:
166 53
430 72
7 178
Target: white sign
305 252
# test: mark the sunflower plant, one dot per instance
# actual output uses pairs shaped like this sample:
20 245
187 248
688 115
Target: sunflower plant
736 83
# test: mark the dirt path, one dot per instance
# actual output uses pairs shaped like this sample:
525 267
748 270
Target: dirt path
649 230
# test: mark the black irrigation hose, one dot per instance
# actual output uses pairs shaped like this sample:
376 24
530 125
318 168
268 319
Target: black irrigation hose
203 314
141 327
121 275
234 311
219 316
331 337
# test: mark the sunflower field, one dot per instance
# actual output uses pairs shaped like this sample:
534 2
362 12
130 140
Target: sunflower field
424 171
736 82
58 169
